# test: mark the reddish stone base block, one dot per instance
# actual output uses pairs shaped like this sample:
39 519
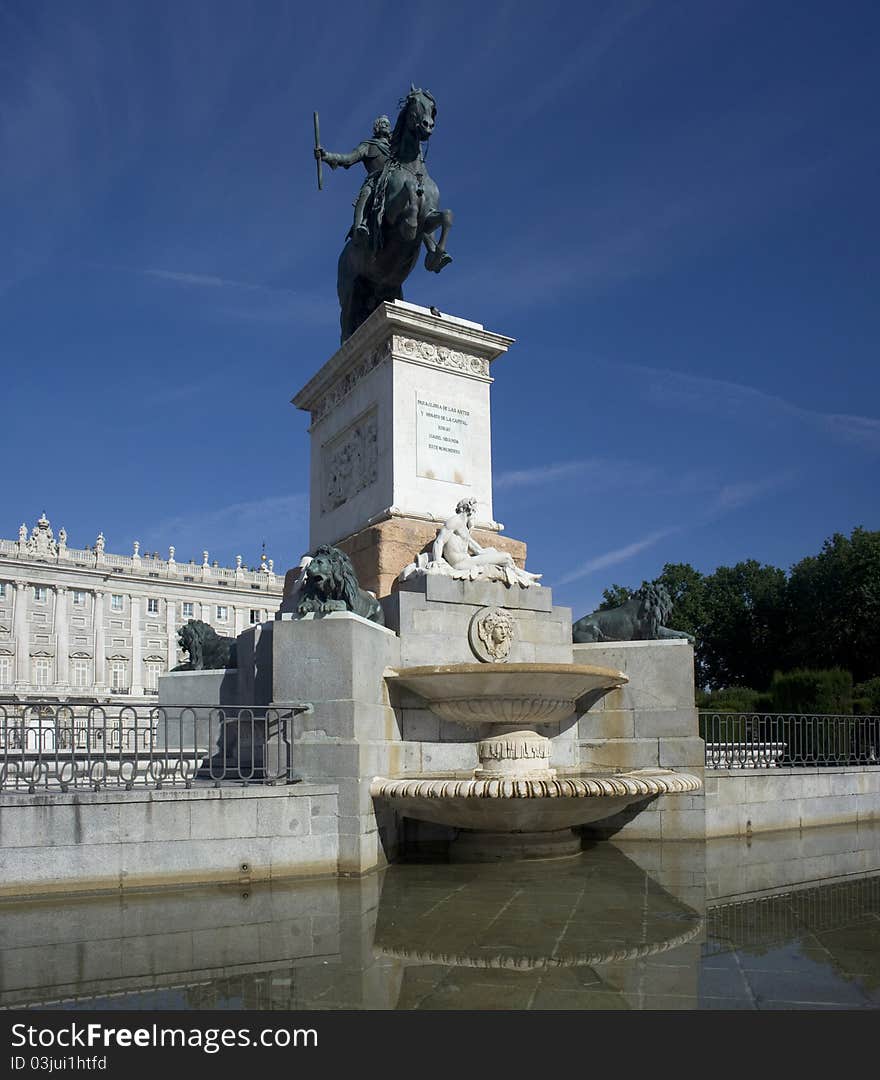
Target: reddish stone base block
379 552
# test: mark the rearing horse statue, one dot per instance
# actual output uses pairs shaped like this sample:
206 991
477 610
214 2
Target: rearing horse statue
403 214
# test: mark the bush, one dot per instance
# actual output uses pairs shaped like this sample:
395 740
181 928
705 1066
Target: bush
866 697
730 699
806 691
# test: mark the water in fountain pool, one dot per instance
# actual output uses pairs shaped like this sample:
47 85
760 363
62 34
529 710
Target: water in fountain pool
728 924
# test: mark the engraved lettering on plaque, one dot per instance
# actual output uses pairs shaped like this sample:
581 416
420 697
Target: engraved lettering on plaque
442 440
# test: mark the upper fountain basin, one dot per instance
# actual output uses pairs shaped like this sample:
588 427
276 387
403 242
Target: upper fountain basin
509 694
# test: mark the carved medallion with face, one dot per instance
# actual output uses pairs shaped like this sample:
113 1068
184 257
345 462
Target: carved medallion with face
491 634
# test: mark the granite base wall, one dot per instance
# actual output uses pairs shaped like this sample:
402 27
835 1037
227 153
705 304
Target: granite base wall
742 802
336 662
648 723
111 840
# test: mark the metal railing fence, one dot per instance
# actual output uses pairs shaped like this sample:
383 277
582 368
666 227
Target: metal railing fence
788 740
57 747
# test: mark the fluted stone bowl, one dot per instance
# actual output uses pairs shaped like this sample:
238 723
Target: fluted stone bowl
514 699
518 694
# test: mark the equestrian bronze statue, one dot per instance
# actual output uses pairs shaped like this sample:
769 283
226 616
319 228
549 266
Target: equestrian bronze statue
397 210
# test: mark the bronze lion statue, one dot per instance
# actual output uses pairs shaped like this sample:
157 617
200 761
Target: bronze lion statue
207 649
329 583
640 618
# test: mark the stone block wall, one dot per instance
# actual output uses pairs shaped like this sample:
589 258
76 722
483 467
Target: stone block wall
740 802
649 723
116 839
432 616
336 663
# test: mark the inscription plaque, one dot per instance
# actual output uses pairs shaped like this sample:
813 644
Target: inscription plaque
442 440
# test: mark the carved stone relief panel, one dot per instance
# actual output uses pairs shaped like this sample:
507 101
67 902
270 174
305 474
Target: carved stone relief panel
350 461
344 386
441 356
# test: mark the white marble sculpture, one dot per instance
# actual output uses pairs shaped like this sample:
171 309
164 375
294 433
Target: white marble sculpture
457 554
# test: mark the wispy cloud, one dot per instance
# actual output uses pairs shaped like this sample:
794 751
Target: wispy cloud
604 474
584 60
737 401
731 497
707 181
540 474
209 280
727 499
249 300
617 555
240 528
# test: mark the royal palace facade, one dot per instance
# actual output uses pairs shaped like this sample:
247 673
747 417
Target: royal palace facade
89 626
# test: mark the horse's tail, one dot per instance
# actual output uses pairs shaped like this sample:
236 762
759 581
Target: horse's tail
355 292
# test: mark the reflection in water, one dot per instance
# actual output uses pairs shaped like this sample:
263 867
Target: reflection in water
611 929
811 948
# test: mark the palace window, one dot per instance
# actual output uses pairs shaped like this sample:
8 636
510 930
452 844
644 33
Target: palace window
222 613
5 670
152 671
187 610
152 606
2 589
118 675
79 598
116 602
39 592
81 672
42 670
255 616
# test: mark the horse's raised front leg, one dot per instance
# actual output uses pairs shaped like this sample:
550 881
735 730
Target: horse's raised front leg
437 256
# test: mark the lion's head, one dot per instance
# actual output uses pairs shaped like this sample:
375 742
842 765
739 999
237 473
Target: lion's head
192 638
329 575
206 648
655 607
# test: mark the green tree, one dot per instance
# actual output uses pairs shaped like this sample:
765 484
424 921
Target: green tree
744 630
614 596
687 588
834 605
751 620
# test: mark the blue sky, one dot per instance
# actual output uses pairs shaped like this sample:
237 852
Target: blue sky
672 206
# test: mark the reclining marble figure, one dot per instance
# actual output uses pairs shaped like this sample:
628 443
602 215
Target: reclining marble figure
455 553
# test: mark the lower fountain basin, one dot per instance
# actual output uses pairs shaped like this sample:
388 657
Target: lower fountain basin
542 812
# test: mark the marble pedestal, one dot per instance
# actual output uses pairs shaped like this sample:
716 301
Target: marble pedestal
400 428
